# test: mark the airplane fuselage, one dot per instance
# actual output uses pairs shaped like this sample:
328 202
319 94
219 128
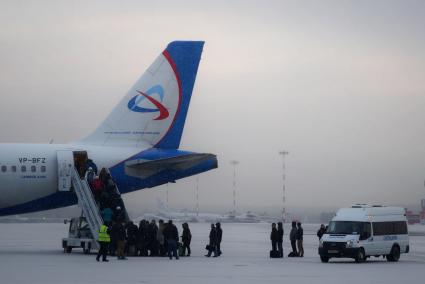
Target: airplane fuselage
29 172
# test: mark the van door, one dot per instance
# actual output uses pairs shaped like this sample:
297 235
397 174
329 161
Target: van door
366 239
65 164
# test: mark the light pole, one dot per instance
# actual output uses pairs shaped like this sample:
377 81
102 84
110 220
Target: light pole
166 196
197 196
234 163
283 153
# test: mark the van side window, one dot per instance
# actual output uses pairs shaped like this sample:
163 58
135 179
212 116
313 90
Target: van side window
389 228
43 169
33 169
400 228
13 169
23 169
3 169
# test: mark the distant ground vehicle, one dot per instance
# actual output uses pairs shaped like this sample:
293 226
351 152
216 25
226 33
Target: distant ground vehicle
363 231
79 236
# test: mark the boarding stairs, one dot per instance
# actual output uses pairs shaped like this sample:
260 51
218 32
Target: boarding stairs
87 203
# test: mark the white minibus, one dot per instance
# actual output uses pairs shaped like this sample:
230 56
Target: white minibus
363 231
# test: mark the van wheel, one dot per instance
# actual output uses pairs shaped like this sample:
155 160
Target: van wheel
324 259
361 256
394 255
68 249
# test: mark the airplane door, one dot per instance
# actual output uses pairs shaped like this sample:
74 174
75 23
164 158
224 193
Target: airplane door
65 165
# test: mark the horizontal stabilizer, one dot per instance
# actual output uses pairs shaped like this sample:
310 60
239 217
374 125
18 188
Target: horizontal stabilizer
142 168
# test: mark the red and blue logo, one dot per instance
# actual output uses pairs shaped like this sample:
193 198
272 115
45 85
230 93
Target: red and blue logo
134 103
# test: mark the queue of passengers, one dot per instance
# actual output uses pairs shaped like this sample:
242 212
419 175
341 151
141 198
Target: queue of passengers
214 245
296 236
147 239
151 239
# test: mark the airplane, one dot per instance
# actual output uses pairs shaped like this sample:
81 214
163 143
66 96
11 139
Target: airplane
138 142
184 215
164 212
247 217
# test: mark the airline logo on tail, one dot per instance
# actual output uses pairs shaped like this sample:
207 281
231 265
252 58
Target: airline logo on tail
134 103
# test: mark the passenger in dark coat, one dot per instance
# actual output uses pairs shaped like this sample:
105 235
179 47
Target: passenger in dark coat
321 231
293 239
219 237
186 238
103 176
118 231
162 243
132 231
118 216
89 177
299 236
274 237
109 183
280 238
105 200
212 246
151 238
141 239
171 234
91 164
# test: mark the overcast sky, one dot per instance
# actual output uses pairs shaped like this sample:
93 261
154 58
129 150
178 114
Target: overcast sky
338 84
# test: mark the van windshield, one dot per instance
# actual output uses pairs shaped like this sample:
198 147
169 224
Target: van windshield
348 227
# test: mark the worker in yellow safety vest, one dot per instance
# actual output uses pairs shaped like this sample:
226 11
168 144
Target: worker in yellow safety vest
104 239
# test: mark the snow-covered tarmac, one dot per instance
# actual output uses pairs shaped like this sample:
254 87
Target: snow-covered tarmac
32 253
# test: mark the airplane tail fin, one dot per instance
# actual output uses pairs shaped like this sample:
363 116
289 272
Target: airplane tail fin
154 110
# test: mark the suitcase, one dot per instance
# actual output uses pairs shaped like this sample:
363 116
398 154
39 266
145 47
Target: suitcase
274 254
180 249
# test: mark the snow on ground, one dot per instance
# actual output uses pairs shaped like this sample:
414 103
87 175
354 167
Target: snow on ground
31 253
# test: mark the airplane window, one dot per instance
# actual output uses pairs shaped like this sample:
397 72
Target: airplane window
3 169
13 168
23 169
33 168
43 169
